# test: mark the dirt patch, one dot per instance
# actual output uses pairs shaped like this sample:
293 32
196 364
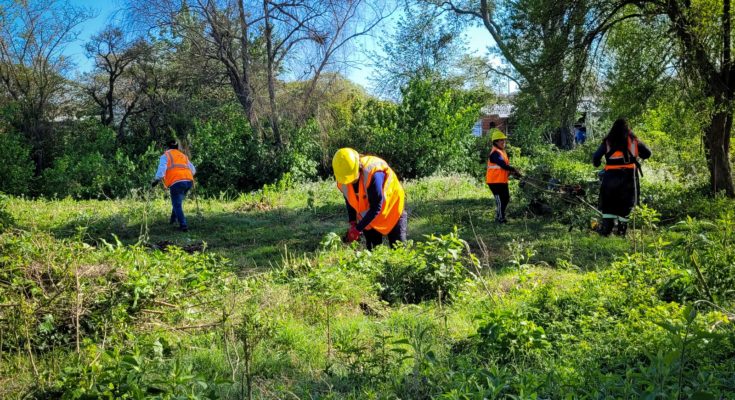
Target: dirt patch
260 205
163 245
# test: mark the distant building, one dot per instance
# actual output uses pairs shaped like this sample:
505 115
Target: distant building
498 113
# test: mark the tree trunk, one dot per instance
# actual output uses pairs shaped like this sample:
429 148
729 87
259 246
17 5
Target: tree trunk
244 97
717 151
110 106
271 78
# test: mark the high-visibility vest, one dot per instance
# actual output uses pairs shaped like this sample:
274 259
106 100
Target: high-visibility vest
495 173
393 195
619 160
177 168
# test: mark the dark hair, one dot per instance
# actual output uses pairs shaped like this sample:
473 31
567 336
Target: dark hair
172 144
617 138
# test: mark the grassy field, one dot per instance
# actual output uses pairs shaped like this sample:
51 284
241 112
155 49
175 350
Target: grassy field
271 304
254 230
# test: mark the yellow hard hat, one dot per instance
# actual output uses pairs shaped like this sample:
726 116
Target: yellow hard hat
346 165
497 135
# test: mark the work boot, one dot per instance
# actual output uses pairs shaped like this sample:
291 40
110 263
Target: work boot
606 226
622 228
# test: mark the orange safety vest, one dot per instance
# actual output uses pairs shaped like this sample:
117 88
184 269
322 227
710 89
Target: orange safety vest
177 168
496 174
393 195
618 160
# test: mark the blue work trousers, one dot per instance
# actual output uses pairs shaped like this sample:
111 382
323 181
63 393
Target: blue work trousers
178 192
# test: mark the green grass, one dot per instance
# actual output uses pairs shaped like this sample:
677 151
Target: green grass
554 313
255 230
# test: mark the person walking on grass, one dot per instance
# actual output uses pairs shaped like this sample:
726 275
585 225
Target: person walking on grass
498 171
177 173
374 198
620 188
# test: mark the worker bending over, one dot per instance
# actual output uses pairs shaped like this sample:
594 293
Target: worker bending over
177 173
374 198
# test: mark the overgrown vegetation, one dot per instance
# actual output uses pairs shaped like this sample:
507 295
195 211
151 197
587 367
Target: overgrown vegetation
466 309
100 298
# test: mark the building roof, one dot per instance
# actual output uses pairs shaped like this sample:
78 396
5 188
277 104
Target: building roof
501 110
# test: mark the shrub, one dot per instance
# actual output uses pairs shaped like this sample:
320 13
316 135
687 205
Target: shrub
6 219
429 131
91 165
300 158
16 166
409 273
423 271
507 335
707 251
231 158
144 371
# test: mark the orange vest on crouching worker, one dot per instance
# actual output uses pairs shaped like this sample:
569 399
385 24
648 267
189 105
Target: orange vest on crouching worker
177 168
496 174
393 195
620 160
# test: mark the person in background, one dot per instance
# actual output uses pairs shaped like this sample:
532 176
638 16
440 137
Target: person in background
374 198
498 171
619 191
177 173
580 134
580 130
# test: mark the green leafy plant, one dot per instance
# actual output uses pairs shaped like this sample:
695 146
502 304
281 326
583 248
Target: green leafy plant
422 271
507 335
6 218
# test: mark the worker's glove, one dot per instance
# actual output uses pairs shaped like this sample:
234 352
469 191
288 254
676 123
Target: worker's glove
353 234
154 183
516 173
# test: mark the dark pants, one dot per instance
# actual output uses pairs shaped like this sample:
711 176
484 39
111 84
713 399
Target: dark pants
618 192
397 234
618 195
502 198
178 193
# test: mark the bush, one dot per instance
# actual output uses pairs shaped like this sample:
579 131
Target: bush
144 371
303 151
422 271
506 335
116 285
230 157
6 219
409 273
429 131
91 165
16 166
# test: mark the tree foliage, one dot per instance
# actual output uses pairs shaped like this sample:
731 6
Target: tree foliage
33 35
424 44
427 132
254 41
548 41
118 84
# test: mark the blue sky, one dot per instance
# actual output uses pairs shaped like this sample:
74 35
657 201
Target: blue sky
104 10
477 38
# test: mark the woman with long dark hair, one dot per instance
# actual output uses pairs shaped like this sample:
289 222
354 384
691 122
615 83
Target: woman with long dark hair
619 191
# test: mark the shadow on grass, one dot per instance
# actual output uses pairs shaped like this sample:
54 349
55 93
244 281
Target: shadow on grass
551 242
257 239
252 239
